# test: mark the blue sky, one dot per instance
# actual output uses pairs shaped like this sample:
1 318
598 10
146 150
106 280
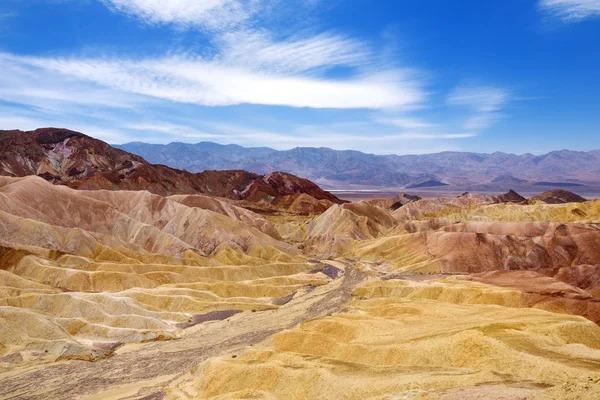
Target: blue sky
377 76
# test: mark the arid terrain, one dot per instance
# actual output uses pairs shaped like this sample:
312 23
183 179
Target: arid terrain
121 279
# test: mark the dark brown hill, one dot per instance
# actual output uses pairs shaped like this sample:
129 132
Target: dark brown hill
510 197
558 196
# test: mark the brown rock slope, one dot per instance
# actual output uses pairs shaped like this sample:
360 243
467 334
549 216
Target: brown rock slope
71 158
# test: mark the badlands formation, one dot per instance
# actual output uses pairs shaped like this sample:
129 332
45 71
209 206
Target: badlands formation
275 289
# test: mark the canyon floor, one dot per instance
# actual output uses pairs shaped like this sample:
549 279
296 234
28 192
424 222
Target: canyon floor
133 295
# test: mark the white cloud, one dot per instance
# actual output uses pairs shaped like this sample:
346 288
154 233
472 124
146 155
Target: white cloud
571 10
211 83
210 14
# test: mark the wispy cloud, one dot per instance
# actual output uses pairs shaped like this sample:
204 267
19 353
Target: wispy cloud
571 10
209 14
257 50
472 110
483 104
214 83
479 98
25 83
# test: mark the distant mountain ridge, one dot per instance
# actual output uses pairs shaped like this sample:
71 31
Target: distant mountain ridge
346 169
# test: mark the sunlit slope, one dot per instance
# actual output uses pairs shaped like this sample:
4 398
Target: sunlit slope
416 340
329 233
83 271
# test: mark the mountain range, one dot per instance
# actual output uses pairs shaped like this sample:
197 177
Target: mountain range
348 169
